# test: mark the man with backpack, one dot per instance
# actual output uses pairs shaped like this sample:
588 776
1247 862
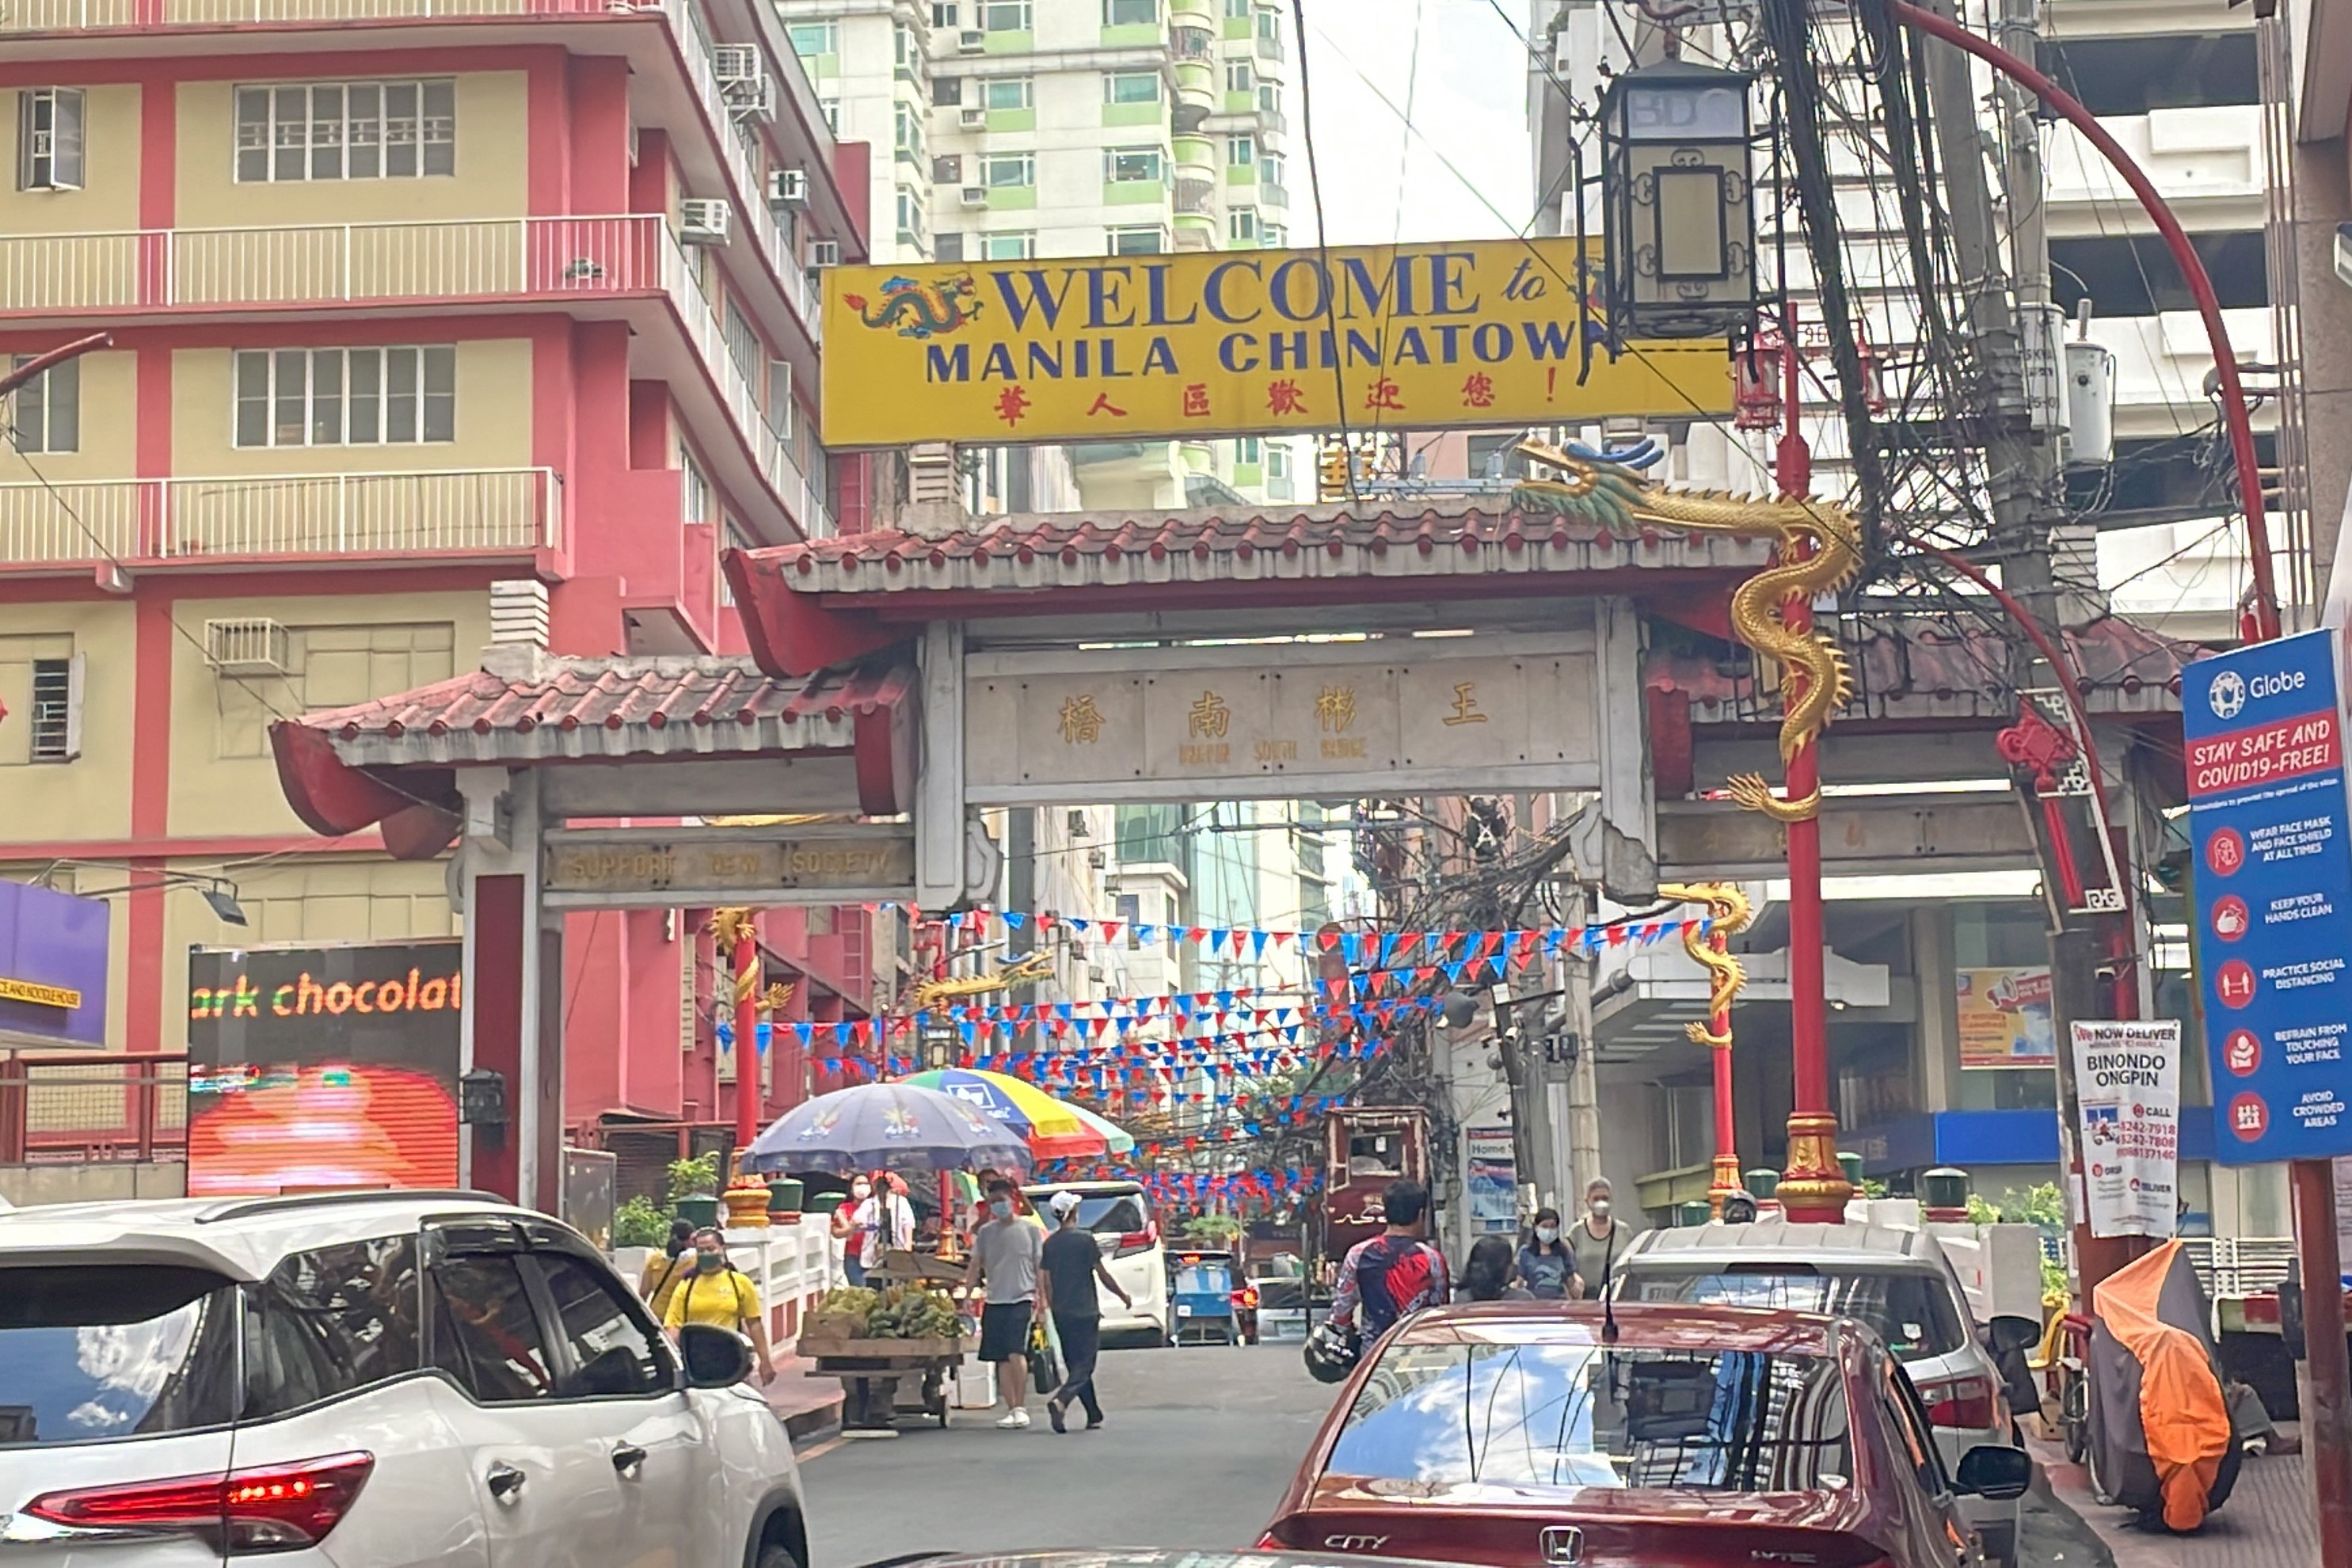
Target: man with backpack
1393 1274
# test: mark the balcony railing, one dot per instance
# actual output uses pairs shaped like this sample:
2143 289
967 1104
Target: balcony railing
94 1110
407 262
426 513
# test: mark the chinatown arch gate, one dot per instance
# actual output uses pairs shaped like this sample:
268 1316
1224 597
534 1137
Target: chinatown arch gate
926 673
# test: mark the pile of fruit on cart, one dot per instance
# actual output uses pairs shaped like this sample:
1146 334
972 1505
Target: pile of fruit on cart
895 1312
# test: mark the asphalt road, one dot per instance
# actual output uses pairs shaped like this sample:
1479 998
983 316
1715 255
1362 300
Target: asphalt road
1195 1449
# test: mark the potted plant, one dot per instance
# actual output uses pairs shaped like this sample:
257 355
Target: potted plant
694 1188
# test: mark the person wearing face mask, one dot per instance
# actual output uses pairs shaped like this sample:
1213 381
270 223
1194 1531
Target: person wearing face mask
1598 1240
665 1269
845 1231
1546 1264
1006 1255
719 1297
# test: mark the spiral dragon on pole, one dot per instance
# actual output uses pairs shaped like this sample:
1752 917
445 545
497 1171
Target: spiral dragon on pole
1818 546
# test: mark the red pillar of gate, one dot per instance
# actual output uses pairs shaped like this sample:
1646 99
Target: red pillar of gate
746 1033
1813 1188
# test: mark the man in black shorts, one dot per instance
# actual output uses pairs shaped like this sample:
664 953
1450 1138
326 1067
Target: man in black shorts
1005 1253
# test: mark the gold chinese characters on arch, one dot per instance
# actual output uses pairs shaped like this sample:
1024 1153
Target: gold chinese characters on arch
1481 333
1273 727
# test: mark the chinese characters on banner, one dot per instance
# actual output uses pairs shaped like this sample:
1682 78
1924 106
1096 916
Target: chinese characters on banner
2005 1018
2128 1084
2264 732
1117 348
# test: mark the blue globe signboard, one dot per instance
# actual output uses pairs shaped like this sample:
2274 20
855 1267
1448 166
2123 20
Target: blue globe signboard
2264 733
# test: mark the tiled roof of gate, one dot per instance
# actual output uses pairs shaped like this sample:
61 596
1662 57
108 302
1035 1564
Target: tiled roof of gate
609 708
1916 666
1076 550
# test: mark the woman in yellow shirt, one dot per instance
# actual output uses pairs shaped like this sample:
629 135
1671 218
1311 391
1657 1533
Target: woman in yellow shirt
721 1297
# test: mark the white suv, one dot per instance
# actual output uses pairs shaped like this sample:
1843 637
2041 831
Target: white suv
365 1381
1119 1215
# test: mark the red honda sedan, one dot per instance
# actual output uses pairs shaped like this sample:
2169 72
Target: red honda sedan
1526 1434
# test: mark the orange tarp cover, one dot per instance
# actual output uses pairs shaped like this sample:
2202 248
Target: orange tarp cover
2180 1410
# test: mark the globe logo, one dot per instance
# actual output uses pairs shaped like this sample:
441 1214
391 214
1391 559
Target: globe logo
2227 694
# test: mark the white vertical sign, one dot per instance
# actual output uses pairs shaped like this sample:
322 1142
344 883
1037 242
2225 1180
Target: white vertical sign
2127 1081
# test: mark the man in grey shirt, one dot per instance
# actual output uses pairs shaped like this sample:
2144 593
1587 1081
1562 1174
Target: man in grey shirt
1005 1253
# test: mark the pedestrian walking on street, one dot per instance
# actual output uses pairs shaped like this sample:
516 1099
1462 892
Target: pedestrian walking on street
845 1231
1005 1253
720 1296
1396 1272
1598 1239
665 1269
1546 1264
1487 1273
1073 1264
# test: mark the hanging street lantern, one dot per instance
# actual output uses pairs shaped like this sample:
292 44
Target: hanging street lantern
1680 239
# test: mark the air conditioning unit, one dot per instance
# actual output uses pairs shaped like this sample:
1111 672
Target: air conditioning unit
743 81
973 119
975 195
251 646
1098 860
704 221
824 253
971 41
1080 827
787 187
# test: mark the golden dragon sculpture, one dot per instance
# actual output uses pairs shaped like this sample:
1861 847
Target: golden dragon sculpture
1820 551
1729 911
732 928
928 994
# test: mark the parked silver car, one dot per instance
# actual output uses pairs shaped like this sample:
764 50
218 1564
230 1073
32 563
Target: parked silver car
1897 1281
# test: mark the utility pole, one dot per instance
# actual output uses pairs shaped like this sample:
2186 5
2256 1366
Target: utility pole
1582 1077
2017 348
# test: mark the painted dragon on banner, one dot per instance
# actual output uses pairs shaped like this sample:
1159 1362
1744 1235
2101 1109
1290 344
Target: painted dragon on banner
914 309
1820 551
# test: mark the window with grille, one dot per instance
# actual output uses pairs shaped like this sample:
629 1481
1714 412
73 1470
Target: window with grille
1239 78
1242 224
743 344
1241 150
346 398
44 413
702 501
53 710
347 131
49 139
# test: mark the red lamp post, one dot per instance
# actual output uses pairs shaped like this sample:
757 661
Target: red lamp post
1813 1188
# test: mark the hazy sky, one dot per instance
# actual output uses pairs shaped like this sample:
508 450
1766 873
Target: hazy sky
1469 102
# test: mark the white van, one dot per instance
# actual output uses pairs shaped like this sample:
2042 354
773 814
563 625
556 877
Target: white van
1120 1217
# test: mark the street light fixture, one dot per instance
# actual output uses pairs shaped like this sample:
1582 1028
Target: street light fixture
1680 232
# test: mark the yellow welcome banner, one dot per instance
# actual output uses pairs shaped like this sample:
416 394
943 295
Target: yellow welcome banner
1481 333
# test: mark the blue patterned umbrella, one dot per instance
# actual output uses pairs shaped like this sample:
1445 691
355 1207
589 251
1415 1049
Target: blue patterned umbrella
888 1126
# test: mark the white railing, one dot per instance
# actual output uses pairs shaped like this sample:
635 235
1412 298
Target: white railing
59 16
70 522
424 513
385 262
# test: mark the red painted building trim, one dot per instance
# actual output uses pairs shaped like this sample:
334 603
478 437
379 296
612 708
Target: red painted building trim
326 65
158 130
495 936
